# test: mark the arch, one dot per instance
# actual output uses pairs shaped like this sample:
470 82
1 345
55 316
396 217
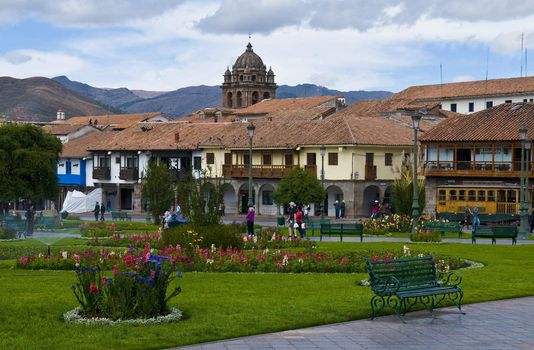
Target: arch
229 199
239 100
266 205
255 97
229 101
370 194
243 198
266 95
333 194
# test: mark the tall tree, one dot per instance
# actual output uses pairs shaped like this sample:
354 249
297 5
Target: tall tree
158 188
403 191
299 186
28 159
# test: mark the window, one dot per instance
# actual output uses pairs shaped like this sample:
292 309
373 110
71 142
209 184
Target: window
228 158
441 195
131 161
267 197
388 159
104 162
481 196
508 101
461 195
491 196
68 167
471 196
117 160
266 159
332 158
210 158
246 159
452 195
471 106
311 158
453 107
524 100
489 104
531 100
197 163
288 159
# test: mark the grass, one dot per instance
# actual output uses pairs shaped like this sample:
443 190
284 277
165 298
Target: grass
227 305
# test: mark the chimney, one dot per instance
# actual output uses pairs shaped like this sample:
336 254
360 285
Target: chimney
60 114
177 137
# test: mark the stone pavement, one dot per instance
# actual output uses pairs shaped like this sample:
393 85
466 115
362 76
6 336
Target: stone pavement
496 325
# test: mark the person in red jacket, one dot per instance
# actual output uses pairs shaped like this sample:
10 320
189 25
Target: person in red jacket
299 220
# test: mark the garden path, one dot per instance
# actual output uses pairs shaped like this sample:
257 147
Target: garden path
500 325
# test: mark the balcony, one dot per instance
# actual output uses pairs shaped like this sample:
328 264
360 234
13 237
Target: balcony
129 174
474 169
101 173
263 171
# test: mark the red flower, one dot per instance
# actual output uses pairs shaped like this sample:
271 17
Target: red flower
93 288
104 280
115 270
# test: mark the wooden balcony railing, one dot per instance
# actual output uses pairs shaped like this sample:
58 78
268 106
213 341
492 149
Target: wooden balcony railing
129 174
476 169
101 173
263 171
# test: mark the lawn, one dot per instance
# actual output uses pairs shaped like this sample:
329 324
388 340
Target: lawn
227 305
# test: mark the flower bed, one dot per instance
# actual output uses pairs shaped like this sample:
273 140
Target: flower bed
425 235
272 238
223 260
107 229
388 223
137 240
136 290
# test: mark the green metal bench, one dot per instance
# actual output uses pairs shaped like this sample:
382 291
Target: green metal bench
494 233
443 227
315 225
120 215
342 229
115 215
496 218
399 284
451 216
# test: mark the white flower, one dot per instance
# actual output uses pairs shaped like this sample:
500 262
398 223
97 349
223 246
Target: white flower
209 261
406 251
212 248
266 251
301 261
64 254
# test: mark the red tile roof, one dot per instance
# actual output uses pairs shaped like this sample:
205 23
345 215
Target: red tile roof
500 123
119 121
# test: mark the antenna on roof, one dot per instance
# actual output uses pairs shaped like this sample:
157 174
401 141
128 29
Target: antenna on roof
526 63
441 79
487 64
521 55
249 36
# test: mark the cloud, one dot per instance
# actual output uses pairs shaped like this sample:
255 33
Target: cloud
462 78
30 63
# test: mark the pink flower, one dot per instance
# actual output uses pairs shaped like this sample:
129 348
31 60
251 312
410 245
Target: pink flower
115 270
104 280
93 288
153 274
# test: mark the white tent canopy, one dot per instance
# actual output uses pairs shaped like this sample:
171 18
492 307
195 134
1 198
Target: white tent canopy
78 202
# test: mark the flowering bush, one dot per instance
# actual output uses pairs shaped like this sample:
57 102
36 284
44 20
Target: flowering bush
388 223
272 238
425 235
138 288
126 240
97 229
205 235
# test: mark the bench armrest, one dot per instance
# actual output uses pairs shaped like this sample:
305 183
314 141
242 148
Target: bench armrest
450 278
386 285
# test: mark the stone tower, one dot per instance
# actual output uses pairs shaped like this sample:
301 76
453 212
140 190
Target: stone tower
249 82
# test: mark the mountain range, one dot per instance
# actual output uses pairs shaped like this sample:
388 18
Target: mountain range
39 98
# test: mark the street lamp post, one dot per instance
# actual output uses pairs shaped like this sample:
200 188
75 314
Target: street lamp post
524 203
322 151
416 118
250 131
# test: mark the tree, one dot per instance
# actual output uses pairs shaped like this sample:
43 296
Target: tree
299 186
403 192
158 188
28 160
204 195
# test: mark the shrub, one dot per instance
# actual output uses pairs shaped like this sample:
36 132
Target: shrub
425 235
204 236
131 240
138 288
97 229
64 215
388 223
7 233
272 238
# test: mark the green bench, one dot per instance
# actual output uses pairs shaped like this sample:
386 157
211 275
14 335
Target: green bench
120 215
443 227
13 223
315 225
399 284
494 233
342 229
47 222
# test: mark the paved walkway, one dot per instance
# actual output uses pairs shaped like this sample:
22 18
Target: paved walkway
497 325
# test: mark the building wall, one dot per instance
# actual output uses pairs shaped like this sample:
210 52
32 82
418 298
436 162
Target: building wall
462 105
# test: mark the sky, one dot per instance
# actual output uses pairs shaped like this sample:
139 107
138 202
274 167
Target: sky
163 45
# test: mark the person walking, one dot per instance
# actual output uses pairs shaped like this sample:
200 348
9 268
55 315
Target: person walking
291 219
467 217
342 209
336 208
299 220
250 221
30 214
102 211
96 211
476 220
